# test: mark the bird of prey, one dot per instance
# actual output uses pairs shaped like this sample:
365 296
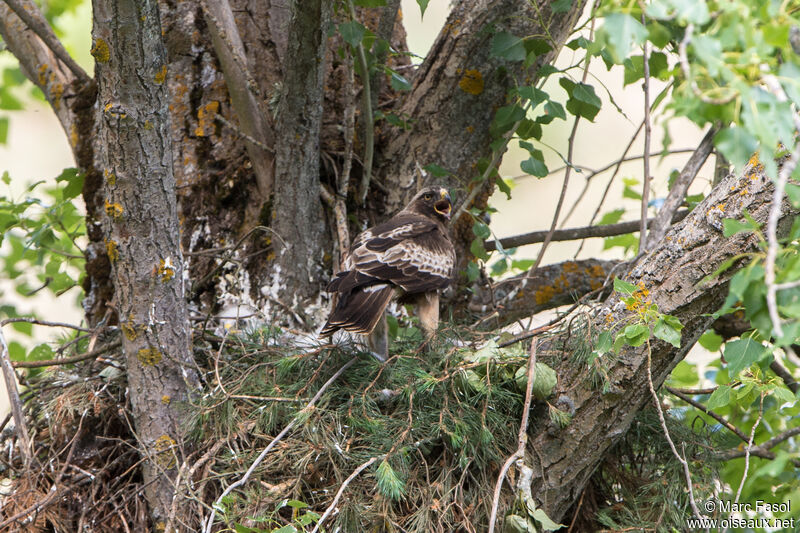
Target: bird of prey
410 255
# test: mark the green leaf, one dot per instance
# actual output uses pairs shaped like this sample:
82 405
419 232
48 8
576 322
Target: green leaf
719 398
296 504
555 110
731 226
604 343
666 331
508 47
582 99
536 96
477 249
624 287
528 129
398 82
370 3
636 334
547 524
544 380
560 6
742 353
621 31
534 167
612 217
423 5
736 144
481 230
352 32
508 115
3 130
710 340
473 271
436 171
793 192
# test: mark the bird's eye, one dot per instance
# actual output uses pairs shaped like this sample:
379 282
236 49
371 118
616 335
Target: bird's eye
428 196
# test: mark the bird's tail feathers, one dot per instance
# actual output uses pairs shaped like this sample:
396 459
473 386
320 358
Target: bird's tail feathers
361 311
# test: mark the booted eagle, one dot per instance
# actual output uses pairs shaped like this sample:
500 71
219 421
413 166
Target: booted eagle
410 254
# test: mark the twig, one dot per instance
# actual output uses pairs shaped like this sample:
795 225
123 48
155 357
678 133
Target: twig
496 156
572 234
343 180
522 437
36 321
677 193
366 111
783 373
68 360
709 412
339 493
16 403
687 474
749 447
570 148
238 131
646 159
46 34
276 440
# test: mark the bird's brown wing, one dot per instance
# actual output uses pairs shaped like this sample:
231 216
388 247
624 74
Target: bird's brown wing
409 251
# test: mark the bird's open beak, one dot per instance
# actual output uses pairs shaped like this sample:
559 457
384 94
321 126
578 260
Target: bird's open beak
443 206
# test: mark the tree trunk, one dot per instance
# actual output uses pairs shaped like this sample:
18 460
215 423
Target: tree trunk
142 234
564 459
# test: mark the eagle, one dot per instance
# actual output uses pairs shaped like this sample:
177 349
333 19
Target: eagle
409 256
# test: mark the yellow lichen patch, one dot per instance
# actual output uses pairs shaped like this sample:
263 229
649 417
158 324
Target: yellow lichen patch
112 251
43 74
110 177
164 454
148 125
114 209
639 301
149 356
165 399
610 318
166 270
161 75
471 82
470 129
205 118
129 329
100 51
544 294
108 106
56 92
571 266
73 135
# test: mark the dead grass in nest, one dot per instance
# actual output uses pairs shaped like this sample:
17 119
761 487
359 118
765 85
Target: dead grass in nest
439 424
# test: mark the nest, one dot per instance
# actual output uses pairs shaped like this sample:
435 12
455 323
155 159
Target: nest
433 428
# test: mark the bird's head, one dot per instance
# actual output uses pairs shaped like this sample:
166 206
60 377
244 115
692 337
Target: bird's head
433 202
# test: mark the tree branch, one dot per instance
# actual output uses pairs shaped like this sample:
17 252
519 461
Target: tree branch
32 17
16 404
254 122
709 412
574 234
40 64
677 194
672 272
549 287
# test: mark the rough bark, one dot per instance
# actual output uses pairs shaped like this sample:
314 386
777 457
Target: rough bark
456 92
142 233
564 459
297 217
